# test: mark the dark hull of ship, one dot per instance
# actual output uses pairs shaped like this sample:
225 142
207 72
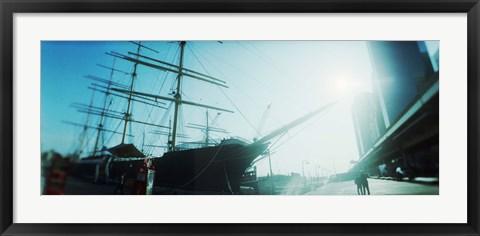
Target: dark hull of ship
209 170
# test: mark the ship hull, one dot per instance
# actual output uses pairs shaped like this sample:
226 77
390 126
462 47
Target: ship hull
208 170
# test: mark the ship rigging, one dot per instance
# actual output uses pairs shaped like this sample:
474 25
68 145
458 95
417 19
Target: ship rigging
209 167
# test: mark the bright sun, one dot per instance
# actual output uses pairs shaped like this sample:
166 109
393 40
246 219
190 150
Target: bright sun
345 86
342 84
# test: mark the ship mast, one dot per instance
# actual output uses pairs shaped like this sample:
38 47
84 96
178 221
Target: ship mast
93 110
109 89
206 133
85 128
207 128
100 125
178 97
127 114
181 72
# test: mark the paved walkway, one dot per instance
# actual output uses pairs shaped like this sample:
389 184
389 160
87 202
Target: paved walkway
378 187
76 186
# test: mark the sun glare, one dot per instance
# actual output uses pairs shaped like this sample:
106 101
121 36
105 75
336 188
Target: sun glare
344 86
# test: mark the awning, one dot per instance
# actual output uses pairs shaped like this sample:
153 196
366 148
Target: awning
125 150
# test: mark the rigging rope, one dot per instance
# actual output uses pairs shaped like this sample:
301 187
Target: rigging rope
228 98
299 131
263 59
204 168
118 126
201 64
226 178
154 138
271 63
236 108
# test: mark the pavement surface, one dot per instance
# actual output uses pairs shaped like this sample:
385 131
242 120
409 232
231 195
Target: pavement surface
378 187
77 186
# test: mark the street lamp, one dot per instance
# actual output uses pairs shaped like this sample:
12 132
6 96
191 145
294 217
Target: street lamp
271 172
334 169
304 162
316 174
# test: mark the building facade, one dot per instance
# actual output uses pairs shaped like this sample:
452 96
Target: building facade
367 121
397 125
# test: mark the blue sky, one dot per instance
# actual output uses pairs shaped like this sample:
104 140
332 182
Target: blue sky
295 77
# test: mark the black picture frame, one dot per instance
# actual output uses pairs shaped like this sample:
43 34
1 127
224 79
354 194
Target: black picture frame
10 7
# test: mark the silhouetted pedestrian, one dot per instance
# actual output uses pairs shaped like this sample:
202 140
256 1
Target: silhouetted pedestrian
358 182
121 181
364 182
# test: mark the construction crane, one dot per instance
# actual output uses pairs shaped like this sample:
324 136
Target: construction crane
263 119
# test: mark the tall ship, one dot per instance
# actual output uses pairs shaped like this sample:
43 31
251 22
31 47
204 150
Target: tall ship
204 166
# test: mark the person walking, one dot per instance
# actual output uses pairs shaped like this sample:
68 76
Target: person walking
364 182
121 181
358 182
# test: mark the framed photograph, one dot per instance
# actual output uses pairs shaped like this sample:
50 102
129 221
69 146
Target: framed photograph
260 118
